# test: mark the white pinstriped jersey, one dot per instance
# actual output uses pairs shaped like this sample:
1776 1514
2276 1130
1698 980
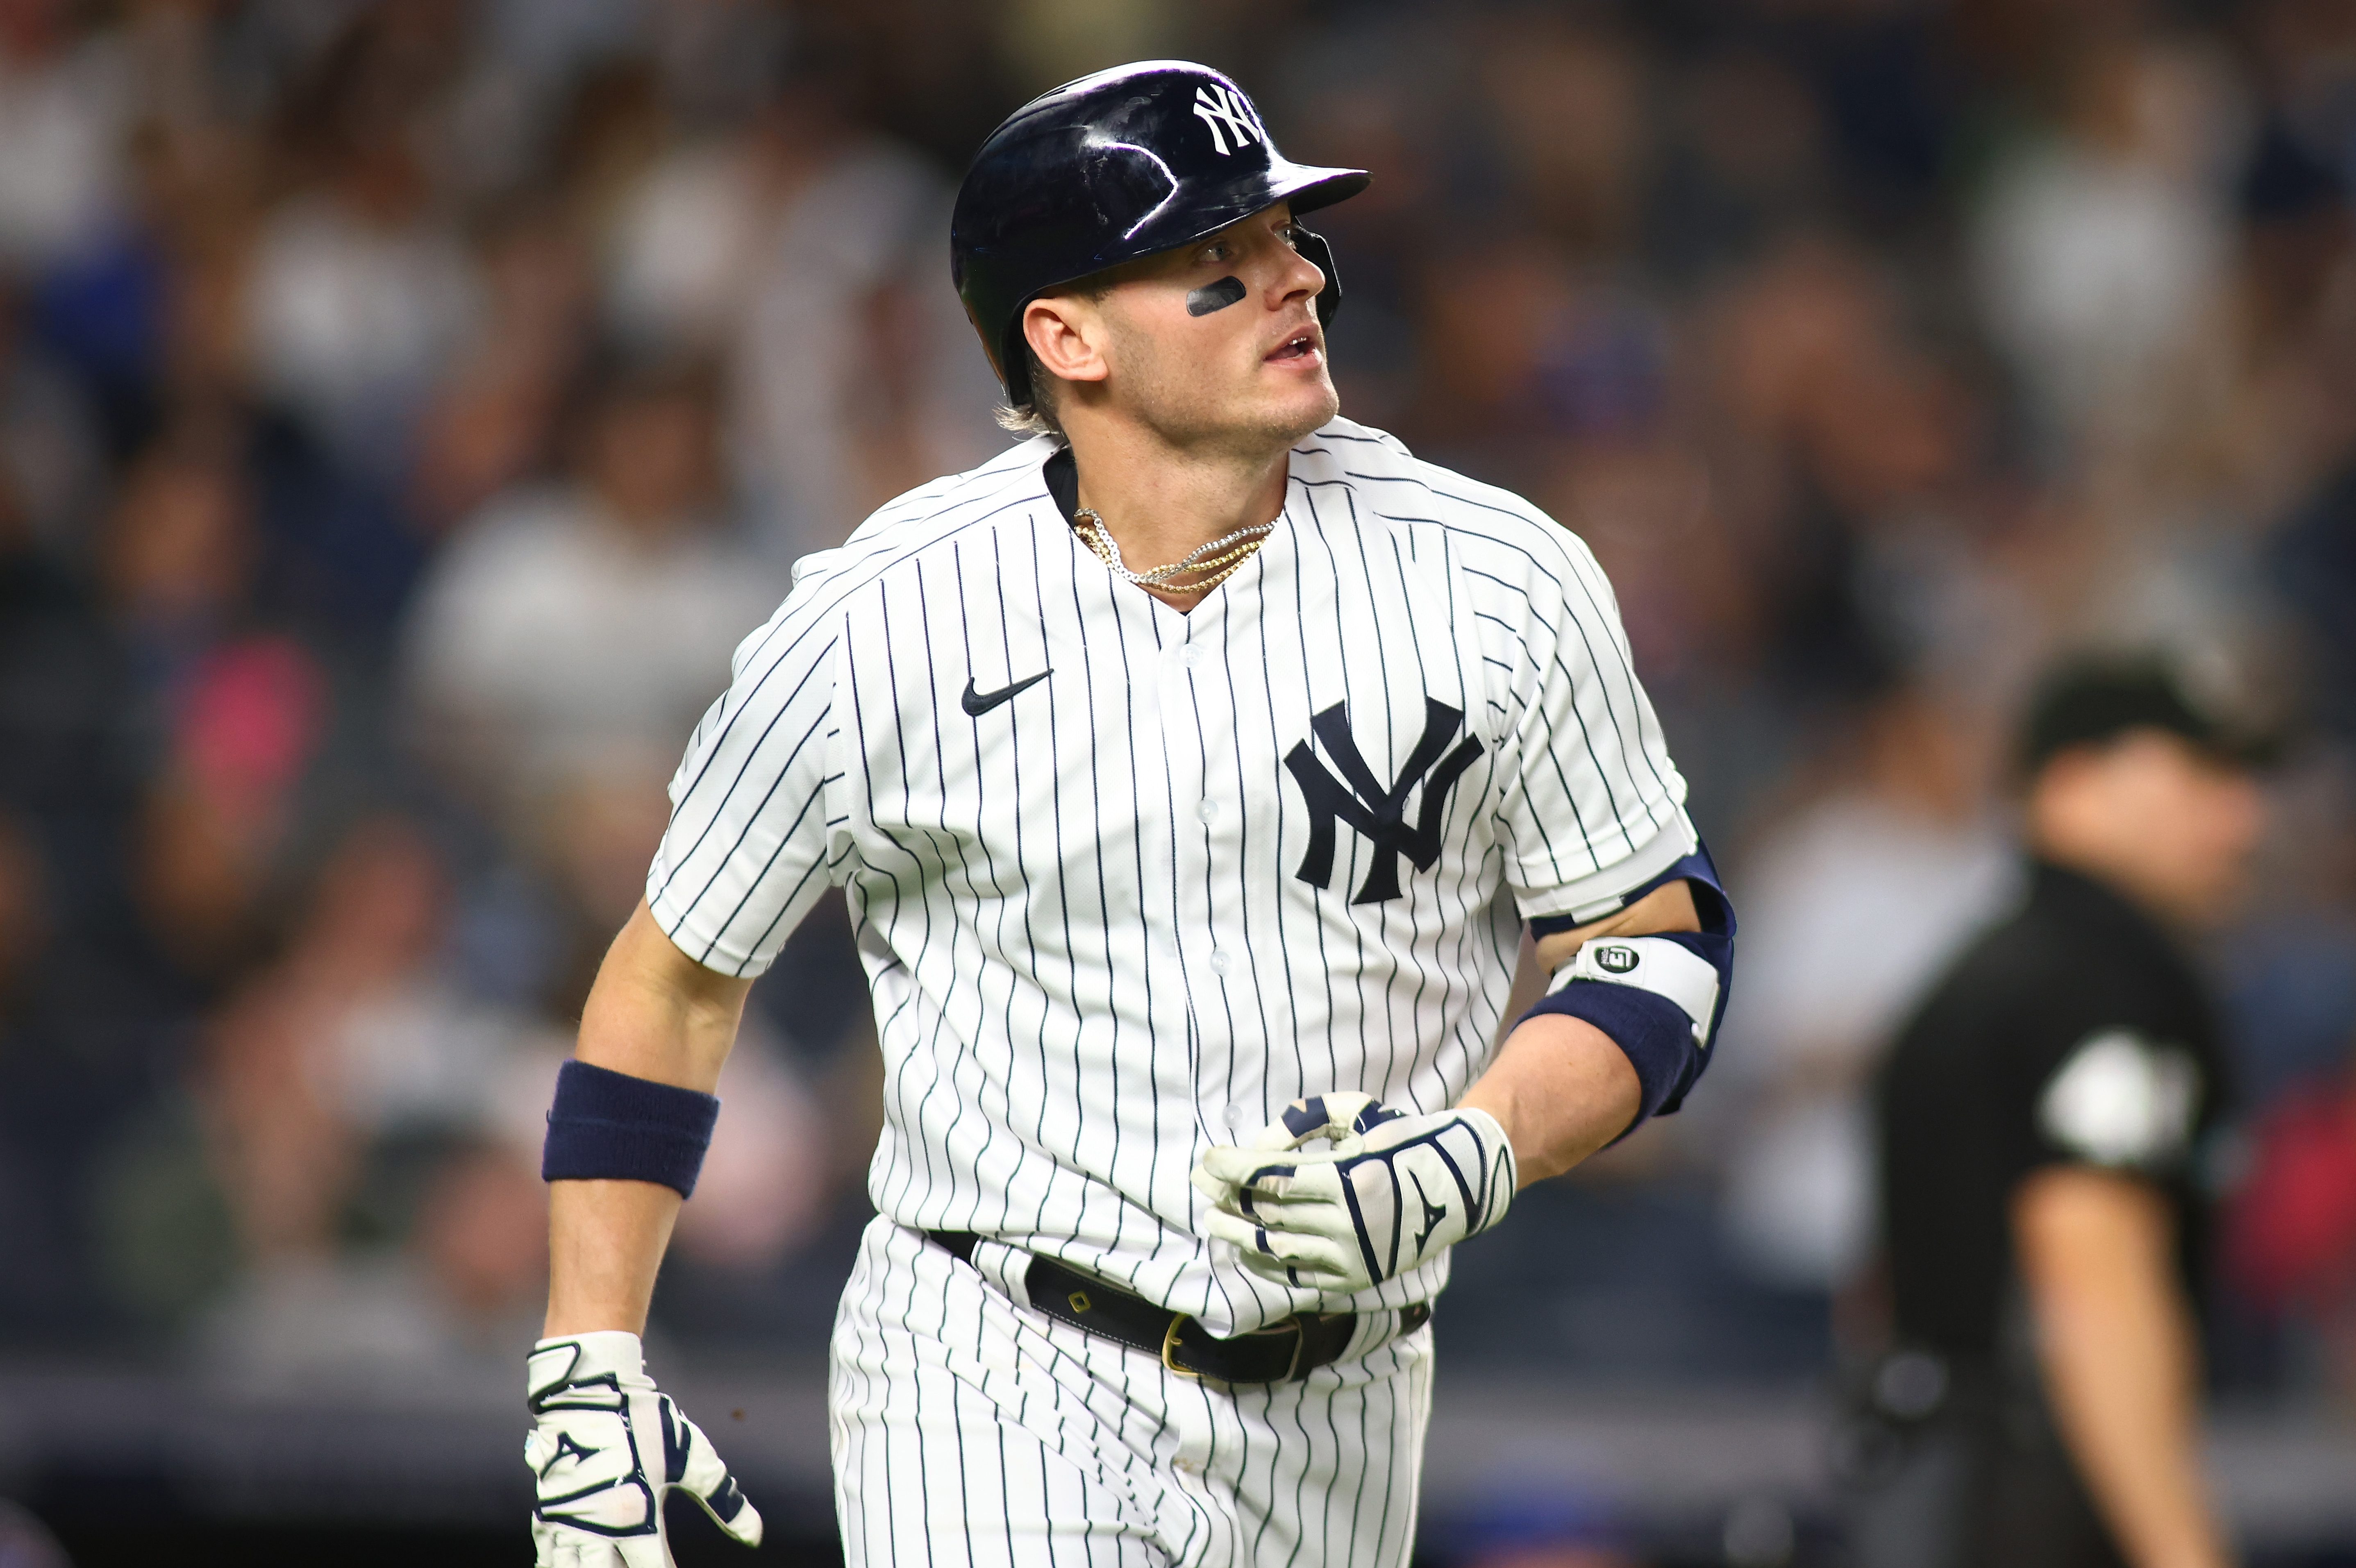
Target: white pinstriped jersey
1127 881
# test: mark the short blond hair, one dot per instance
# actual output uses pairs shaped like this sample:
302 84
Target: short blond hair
1036 417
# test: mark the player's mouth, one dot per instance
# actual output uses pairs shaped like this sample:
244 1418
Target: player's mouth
1302 350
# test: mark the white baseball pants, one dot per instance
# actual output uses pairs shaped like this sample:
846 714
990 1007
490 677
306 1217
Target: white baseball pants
970 1429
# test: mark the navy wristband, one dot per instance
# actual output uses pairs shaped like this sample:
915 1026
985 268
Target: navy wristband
607 1125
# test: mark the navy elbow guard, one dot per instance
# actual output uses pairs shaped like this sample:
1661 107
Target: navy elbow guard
608 1126
1659 997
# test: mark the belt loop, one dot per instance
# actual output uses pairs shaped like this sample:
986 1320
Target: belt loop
1299 1343
1368 1334
1006 1268
1382 1327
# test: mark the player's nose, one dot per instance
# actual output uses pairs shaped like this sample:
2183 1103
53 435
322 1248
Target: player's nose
1300 279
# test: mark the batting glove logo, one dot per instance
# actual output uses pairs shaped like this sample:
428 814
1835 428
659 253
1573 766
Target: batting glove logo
606 1448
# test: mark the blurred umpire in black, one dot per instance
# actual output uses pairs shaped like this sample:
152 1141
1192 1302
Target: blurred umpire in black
2043 1121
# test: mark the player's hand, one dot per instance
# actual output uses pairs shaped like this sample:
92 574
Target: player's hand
606 1448
1392 1191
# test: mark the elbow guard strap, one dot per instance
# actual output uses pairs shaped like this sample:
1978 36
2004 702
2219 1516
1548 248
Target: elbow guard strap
1656 997
608 1126
1663 965
1659 997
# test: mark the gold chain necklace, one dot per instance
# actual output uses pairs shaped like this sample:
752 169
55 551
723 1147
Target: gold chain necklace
1221 558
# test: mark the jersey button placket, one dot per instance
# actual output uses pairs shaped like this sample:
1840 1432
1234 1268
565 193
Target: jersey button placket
1193 654
1178 703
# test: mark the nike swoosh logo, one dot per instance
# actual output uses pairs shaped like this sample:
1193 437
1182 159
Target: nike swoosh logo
980 702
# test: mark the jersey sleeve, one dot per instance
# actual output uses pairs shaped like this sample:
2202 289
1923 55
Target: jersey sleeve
1593 808
753 841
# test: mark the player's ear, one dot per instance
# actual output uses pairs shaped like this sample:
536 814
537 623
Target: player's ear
1066 333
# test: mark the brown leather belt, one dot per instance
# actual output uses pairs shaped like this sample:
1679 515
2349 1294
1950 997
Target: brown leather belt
1277 1353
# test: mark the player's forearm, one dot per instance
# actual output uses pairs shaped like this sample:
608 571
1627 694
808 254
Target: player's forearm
656 1014
1561 1090
605 1244
2116 1347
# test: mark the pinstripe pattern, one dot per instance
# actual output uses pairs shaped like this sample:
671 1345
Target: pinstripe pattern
1091 949
1131 911
968 1428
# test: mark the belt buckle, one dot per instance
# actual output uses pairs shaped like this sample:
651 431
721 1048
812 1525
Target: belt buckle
1169 1342
1293 1325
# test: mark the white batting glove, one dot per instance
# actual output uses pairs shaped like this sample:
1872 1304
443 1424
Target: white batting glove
1392 1191
607 1448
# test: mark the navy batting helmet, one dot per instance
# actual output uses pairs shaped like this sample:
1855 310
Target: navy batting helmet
1108 168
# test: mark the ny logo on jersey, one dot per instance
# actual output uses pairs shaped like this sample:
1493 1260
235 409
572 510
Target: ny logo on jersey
1371 810
1217 106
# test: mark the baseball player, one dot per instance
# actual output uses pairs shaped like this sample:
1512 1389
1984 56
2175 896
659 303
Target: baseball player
1194 769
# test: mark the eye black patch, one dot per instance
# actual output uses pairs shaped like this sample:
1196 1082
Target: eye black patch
1215 296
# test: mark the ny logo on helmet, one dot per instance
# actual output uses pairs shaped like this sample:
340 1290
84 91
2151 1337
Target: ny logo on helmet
1371 809
1215 106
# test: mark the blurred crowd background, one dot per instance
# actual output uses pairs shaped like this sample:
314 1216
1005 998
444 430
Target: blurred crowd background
405 407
